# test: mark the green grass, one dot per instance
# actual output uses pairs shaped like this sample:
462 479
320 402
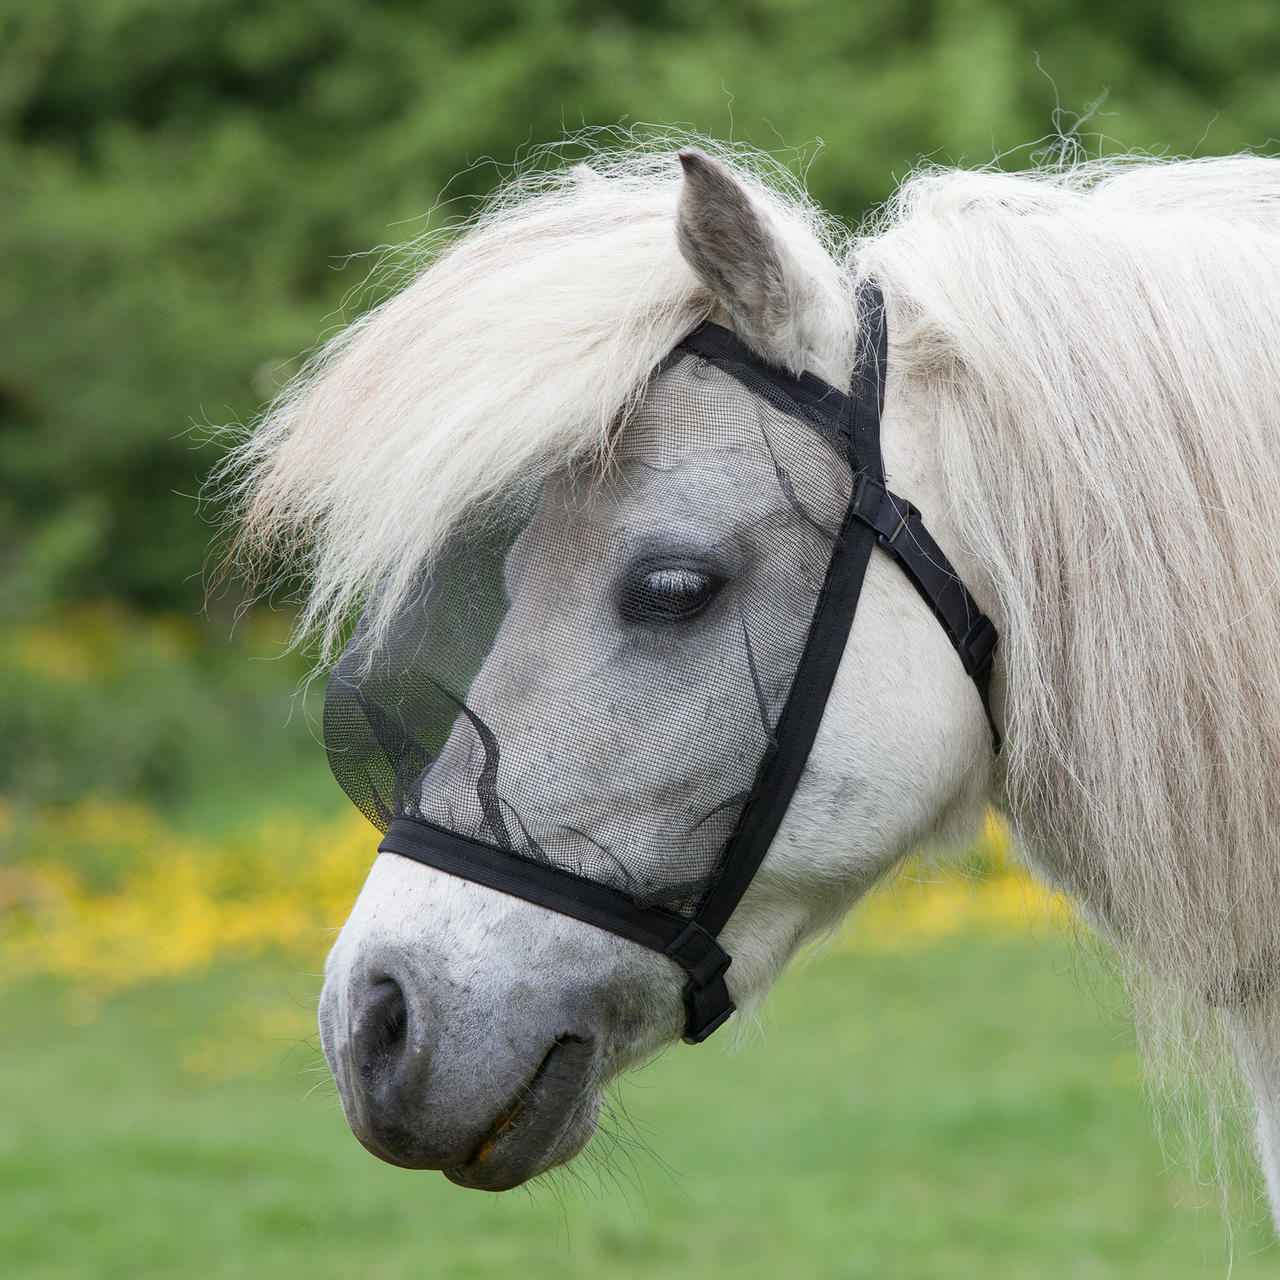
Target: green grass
962 1111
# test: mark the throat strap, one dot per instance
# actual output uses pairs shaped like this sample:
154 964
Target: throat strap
900 532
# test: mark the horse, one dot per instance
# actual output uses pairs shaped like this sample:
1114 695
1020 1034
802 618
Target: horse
1079 399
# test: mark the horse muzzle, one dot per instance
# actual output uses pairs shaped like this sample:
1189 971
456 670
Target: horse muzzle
424 1086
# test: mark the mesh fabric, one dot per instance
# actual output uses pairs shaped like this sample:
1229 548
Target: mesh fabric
592 673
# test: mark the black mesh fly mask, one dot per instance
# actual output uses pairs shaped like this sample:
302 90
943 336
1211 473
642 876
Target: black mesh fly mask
604 694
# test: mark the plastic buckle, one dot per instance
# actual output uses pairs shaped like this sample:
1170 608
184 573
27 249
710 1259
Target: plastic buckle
698 954
978 646
887 506
706 997
706 1009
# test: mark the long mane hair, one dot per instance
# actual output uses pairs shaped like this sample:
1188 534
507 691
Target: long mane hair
1099 350
521 343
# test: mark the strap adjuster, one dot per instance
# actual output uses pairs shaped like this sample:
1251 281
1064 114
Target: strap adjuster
884 512
906 513
978 645
706 997
699 954
706 1009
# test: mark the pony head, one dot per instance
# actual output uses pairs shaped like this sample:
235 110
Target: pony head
1080 399
470 1031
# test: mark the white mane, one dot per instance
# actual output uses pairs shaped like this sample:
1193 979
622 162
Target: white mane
1101 351
513 353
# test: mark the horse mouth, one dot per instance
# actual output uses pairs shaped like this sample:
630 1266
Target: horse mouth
549 1121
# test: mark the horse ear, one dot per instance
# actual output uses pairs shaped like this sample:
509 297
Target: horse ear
731 246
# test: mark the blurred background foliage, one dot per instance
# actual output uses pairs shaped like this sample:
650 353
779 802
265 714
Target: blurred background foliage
185 184
194 192
185 180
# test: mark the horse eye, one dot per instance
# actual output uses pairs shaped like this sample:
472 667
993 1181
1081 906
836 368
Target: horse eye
667 592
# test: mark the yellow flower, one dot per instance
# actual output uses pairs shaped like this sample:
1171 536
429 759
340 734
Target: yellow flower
168 905
173 905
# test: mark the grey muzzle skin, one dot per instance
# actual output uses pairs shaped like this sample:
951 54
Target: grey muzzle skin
418 735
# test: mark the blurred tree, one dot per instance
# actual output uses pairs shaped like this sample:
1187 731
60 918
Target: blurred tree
183 181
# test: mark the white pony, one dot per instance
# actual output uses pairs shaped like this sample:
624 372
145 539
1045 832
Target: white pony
1084 368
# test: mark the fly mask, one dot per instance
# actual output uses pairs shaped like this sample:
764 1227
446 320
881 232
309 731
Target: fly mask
607 714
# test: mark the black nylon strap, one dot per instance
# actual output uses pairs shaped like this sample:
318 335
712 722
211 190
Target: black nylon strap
901 533
686 942
828 635
869 382
826 407
797 727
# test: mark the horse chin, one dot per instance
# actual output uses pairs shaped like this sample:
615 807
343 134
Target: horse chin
551 1119
546 1122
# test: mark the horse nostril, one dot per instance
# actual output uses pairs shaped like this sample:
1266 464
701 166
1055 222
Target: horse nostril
382 1031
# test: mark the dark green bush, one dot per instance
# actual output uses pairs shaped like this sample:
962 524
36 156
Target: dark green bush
157 710
183 184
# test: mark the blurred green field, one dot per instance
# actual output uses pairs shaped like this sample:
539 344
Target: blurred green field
932 1098
956 1110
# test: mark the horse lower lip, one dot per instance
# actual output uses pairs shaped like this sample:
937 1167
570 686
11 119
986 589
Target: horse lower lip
485 1149
531 1126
